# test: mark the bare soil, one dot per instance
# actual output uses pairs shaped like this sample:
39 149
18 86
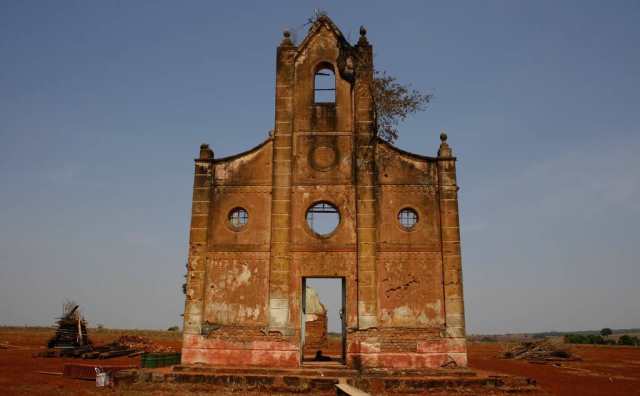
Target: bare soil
20 371
604 370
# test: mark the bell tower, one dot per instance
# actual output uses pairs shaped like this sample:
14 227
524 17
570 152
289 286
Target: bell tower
323 136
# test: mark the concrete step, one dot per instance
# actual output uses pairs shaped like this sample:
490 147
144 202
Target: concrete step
316 371
325 381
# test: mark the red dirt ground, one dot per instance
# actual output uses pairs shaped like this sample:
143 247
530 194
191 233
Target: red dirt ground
603 370
19 369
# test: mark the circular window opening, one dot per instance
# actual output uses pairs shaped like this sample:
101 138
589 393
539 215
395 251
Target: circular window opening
323 218
238 218
408 218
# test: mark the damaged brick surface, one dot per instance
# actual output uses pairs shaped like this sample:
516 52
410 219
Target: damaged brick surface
251 246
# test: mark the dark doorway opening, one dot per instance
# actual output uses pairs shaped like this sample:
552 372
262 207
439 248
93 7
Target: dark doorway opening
323 320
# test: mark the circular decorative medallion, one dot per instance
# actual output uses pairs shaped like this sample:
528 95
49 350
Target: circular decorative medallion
323 158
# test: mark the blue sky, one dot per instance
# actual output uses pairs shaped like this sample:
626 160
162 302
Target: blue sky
103 106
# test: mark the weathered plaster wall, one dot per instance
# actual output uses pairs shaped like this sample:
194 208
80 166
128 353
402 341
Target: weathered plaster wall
410 289
237 267
396 166
323 159
255 236
237 291
252 167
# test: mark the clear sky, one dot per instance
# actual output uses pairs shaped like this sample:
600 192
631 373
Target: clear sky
103 106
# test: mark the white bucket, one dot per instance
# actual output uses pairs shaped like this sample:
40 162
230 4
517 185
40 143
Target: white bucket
102 378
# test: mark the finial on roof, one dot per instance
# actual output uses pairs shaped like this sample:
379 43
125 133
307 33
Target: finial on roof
363 36
320 15
286 39
205 152
444 150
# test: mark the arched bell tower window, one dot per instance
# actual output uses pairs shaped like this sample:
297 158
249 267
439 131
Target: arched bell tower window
324 84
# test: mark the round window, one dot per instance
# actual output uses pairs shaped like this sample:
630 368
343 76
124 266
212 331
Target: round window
323 218
408 218
238 218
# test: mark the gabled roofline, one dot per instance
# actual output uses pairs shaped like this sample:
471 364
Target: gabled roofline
377 139
407 153
323 20
241 154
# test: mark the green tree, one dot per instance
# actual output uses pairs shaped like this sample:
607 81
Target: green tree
606 332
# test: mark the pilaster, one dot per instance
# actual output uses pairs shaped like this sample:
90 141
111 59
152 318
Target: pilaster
200 208
450 239
364 136
280 259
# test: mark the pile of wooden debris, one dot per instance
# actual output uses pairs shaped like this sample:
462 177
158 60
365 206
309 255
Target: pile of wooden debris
72 329
543 351
71 340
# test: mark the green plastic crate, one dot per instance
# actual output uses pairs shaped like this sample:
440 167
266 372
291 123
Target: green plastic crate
159 359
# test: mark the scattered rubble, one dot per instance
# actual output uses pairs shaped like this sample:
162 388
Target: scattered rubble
127 345
143 344
90 371
543 351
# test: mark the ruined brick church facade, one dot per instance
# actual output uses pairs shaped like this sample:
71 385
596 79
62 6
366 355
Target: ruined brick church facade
396 247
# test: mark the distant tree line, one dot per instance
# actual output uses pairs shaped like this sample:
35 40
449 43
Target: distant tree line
629 340
601 339
587 339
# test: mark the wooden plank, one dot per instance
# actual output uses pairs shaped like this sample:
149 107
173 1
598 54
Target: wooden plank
345 389
49 373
